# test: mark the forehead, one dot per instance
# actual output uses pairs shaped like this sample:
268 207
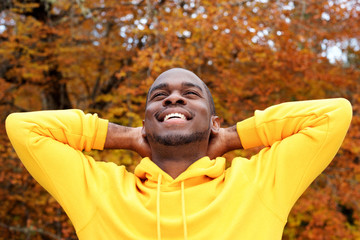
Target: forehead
177 78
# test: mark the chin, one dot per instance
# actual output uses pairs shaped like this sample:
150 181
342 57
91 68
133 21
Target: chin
178 139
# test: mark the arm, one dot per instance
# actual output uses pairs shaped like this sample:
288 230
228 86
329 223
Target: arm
120 137
223 141
50 145
281 121
300 139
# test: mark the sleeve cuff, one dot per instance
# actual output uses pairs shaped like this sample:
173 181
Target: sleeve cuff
101 134
247 132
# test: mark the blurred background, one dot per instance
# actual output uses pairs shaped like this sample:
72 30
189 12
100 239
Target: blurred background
101 56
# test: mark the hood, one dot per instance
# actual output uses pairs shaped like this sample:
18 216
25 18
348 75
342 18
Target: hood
202 170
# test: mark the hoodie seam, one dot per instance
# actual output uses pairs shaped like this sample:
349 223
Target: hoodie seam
314 157
298 184
262 200
47 175
89 221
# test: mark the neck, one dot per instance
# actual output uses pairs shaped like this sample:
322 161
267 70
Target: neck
176 159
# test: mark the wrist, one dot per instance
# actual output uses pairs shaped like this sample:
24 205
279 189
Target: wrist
232 139
118 137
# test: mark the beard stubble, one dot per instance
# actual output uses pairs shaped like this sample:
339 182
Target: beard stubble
179 139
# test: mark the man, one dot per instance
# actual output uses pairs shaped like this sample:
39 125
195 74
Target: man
181 189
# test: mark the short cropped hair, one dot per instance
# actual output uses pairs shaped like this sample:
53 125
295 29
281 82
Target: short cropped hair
209 95
210 99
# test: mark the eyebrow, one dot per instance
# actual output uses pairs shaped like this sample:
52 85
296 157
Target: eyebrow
189 84
160 86
166 85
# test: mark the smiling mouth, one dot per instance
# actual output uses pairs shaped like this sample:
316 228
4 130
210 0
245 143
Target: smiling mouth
174 115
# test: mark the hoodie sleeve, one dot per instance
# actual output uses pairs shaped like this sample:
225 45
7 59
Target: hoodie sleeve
300 139
50 145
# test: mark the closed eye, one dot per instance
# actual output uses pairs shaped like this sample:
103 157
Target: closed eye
192 93
158 94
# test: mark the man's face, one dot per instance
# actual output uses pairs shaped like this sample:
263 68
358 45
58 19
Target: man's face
178 110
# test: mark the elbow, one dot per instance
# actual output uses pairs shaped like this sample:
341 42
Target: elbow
342 115
14 124
11 122
347 111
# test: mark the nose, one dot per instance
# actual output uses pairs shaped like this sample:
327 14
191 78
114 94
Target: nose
174 99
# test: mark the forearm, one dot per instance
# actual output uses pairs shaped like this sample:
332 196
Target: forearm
232 139
281 121
119 137
72 127
222 141
130 138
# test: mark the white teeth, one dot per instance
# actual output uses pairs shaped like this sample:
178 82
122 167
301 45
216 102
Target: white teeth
176 115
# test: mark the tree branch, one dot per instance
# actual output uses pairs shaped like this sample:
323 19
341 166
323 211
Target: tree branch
29 230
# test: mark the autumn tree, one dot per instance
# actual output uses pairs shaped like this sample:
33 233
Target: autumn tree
102 56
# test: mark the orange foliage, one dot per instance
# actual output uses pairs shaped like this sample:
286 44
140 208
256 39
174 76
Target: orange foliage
101 56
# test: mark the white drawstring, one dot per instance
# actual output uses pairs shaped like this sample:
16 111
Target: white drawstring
158 209
183 209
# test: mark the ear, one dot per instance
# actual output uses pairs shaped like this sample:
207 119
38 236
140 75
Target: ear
143 131
215 125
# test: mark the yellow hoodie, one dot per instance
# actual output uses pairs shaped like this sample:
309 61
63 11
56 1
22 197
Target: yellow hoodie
250 200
